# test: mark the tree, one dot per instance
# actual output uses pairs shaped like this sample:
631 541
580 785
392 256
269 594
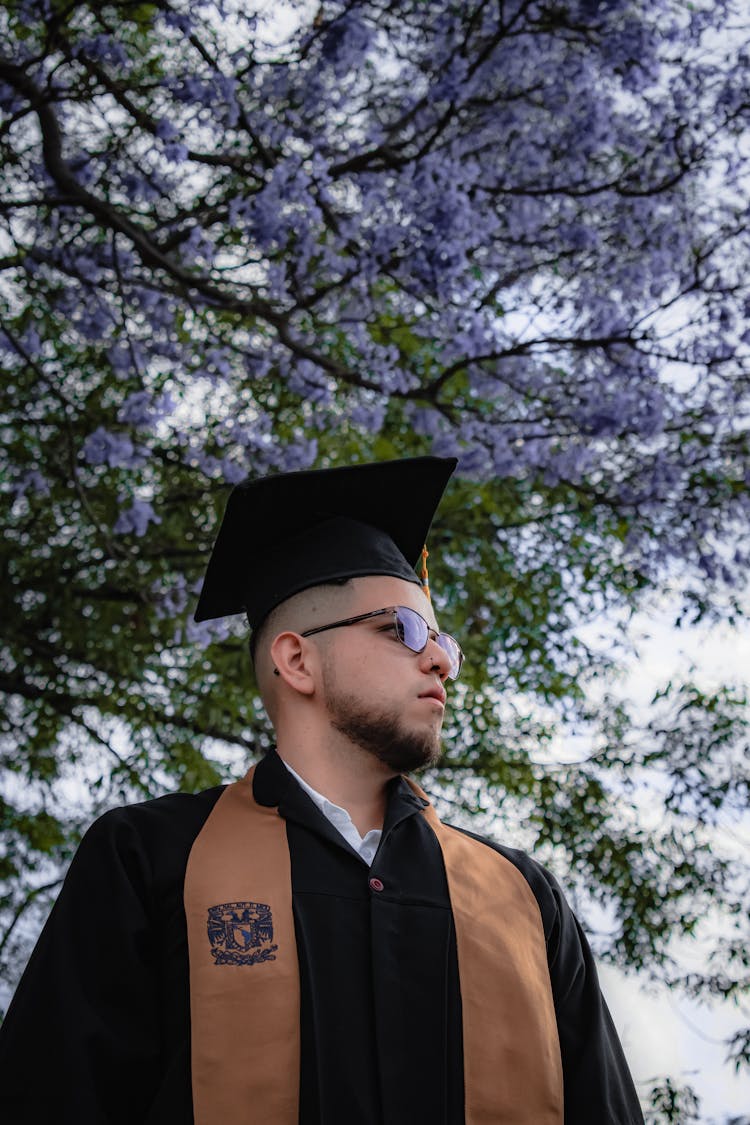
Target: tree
514 232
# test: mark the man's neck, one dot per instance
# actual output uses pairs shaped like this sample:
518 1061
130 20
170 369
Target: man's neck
350 778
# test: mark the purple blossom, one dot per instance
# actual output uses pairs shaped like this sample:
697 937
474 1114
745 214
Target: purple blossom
158 307
142 410
31 10
603 419
426 421
227 108
135 519
166 130
449 212
125 358
310 382
203 633
239 209
147 298
115 450
708 565
225 468
208 463
446 444
213 92
369 418
170 599
94 321
10 100
231 471
220 361
346 42
258 366
30 481
83 168
473 463
197 246
87 268
277 282
31 342
181 21
176 152
296 455
138 187
105 49
504 460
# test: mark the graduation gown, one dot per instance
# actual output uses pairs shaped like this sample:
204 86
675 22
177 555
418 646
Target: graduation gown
98 1032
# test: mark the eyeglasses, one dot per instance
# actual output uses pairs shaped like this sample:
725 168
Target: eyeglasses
411 629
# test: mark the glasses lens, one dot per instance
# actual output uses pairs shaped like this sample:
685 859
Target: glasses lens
414 632
412 629
453 652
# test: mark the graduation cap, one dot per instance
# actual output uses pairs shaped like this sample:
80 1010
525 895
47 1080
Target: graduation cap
283 534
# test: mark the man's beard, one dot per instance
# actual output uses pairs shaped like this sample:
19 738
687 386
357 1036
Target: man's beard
383 736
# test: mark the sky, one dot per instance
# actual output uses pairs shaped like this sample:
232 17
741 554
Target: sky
662 1033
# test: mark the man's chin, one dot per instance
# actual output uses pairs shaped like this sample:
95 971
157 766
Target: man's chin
403 751
407 753
407 763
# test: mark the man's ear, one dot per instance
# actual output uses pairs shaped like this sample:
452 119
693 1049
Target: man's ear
294 661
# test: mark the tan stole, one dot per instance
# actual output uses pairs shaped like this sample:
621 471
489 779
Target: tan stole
244 975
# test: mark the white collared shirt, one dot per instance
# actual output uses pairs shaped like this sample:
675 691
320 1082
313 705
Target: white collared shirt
365 846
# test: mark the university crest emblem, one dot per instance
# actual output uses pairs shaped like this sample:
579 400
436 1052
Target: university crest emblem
241 933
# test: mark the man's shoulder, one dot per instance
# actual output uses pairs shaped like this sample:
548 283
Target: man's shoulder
176 811
160 828
543 884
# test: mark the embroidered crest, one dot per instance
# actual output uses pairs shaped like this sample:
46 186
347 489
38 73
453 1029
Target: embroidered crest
241 933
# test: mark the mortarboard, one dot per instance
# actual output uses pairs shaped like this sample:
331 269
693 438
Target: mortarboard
283 534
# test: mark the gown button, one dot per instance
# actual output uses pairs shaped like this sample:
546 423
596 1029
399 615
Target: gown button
376 885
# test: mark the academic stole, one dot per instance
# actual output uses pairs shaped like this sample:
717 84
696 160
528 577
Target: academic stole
244 974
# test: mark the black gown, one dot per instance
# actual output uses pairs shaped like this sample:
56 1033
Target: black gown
98 1032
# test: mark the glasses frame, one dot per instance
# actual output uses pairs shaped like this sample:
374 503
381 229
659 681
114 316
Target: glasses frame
432 634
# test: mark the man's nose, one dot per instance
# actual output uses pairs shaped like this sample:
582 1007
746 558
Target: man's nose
435 658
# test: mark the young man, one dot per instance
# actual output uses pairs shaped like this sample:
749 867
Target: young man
311 944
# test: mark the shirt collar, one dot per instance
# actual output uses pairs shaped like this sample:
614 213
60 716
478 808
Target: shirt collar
365 846
325 806
275 784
